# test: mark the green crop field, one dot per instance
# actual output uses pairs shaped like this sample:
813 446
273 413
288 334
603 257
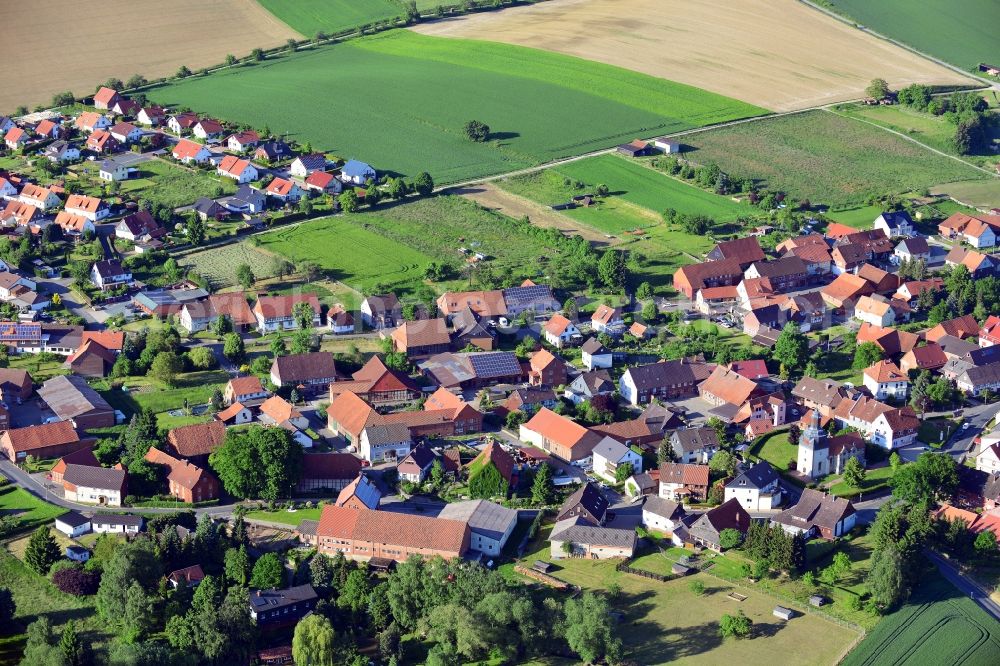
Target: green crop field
349 253
827 158
400 100
307 17
938 625
962 32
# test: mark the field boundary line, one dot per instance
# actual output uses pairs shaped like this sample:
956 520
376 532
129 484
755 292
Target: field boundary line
912 140
926 56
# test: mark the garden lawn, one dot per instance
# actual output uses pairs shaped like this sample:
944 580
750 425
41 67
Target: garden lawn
292 518
34 595
827 158
31 511
861 217
667 623
937 625
307 17
196 387
350 253
776 449
400 101
41 370
876 478
958 32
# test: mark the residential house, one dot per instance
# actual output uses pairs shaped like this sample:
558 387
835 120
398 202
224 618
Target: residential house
694 445
277 313
303 165
48 129
234 414
490 525
101 142
323 182
560 331
61 152
784 274
690 278
595 355
384 442
725 387
530 400
247 199
94 485
284 190
356 173
199 315
885 426
912 249
874 310
188 577
892 341
114 171
756 489
588 384
559 436
894 223
710 299
423 337
978 231
40 197
647 430
666 380
7 190
273 152
378 385
882 282
706 530
310 373
139 226
125 133
469 329
208 129
18 213
962 327
245 390
683 482
188 151
885 380
16 138
381 311
606 319
662 515
988 460
109 274
105 98
92 208
818 514
240 170
152 115
387 535
911 289
15 385
90 121
609 455
282 607
530 297
546 369
278 411
72 399
210 209
185 480
587 503
989 333
979 264
113 523
242 141
974 380
590 541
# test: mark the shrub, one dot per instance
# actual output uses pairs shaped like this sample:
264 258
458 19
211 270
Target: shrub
76 581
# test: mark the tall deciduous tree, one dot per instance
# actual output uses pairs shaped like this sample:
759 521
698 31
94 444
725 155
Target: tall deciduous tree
258 463
588 629
791 347
268 572
313 641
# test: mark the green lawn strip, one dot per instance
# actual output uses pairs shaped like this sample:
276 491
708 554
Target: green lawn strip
961 33
827 158
40 370
876 478
937 625
143 392
307 17
417 93
861 217
291 518
30 510
775 448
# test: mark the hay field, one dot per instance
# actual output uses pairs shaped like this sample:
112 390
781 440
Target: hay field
778 54
63 45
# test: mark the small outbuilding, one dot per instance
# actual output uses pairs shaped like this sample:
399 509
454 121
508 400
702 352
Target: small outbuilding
679 569
817 600
783 613
77 553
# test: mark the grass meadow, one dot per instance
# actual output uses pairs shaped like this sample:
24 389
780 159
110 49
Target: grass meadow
958 32
219 264
937 625
826 158
400 100
307 17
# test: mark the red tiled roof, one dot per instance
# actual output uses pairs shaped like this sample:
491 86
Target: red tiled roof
198 439
35 437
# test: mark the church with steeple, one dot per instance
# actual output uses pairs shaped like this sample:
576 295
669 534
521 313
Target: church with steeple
820 455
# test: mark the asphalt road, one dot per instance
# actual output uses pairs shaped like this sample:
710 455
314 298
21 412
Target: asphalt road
976 593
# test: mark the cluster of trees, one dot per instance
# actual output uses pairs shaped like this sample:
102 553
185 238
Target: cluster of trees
968 111
258 463
773 549
902 528
928 392
691 341
696 224
961 295
158 354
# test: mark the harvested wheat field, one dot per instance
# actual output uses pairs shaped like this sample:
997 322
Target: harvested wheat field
64 45
778 54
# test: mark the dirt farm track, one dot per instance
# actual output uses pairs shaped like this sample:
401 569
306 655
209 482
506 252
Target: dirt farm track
778 54
59 45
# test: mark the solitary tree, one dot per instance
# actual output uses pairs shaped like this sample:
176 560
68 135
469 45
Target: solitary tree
245 276
267 572
313 641
233 348
854 473
42 551
348 201
877 89
737 626
791 347
423 184
303 314
477 131
866 355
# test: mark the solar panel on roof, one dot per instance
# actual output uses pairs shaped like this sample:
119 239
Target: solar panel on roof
497 364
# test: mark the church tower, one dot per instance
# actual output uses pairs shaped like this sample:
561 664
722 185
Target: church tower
814 450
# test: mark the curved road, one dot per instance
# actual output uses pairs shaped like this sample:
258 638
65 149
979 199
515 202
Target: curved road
966 586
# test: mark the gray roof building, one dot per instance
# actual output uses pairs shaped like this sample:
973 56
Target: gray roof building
488 519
